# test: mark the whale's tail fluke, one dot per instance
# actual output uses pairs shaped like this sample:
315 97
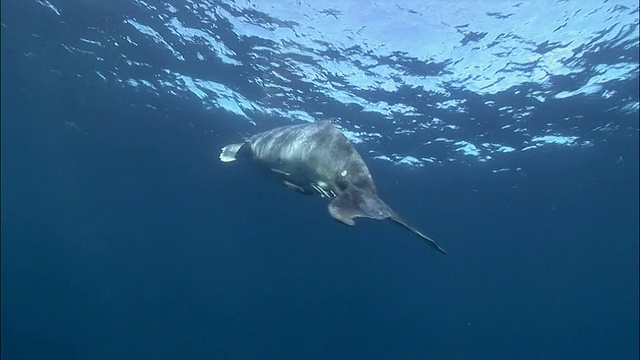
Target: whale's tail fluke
229 152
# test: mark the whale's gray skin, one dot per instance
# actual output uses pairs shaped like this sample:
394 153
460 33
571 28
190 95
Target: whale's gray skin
316 158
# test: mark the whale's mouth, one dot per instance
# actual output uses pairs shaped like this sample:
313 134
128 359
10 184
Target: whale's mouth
353 203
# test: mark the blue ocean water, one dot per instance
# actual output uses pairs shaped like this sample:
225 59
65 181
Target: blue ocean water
507 131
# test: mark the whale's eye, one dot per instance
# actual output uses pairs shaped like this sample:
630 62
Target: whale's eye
343 173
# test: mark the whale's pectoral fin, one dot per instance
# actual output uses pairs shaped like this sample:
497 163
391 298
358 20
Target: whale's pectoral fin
229 153
354 203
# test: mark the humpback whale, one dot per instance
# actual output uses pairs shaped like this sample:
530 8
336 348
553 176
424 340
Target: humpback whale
317 158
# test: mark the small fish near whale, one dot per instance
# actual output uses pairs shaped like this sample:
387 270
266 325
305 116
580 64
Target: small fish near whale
317 158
